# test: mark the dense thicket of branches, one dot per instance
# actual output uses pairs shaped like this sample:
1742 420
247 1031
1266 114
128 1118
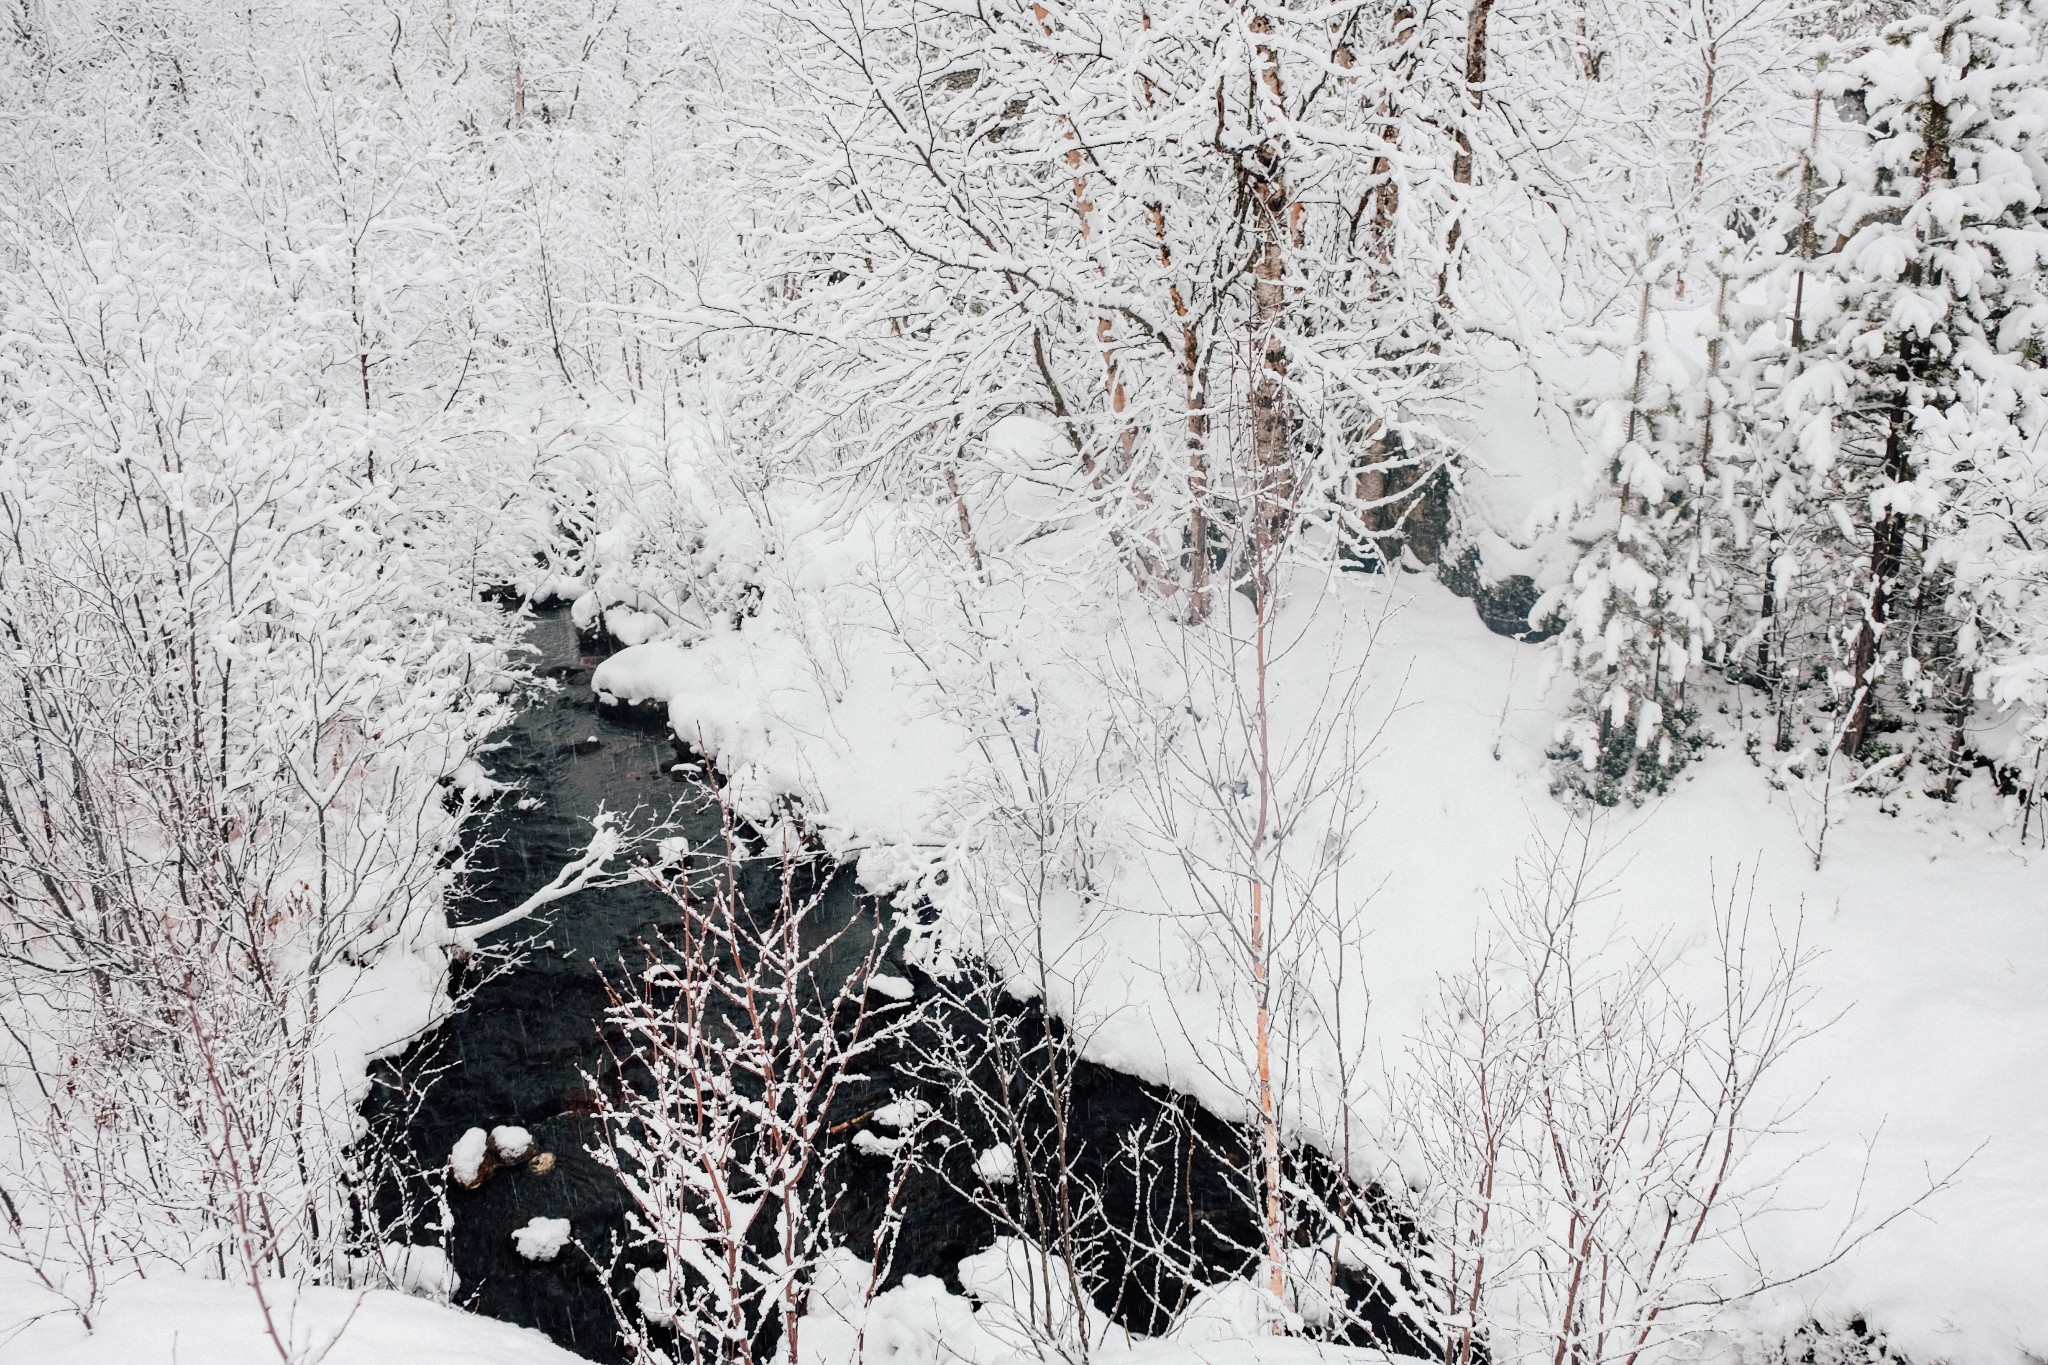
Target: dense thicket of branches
289 375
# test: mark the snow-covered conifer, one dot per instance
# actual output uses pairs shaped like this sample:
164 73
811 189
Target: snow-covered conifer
1908 392
1634 625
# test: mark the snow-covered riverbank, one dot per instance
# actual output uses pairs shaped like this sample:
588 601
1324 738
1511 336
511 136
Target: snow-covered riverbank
913 721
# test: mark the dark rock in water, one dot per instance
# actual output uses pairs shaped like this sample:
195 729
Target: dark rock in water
1502 603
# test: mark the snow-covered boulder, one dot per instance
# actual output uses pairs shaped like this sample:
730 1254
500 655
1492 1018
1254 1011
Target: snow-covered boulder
542 1239
469 1160
511 1145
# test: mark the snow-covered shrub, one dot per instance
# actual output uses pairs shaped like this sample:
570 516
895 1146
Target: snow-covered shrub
1586 1135
733 1041
240 680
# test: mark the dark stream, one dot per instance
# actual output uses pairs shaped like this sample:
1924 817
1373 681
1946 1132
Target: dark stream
519 1054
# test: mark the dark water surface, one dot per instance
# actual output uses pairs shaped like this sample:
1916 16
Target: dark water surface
521 1051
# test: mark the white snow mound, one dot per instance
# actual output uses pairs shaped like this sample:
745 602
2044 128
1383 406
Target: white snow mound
542 1239
466 1158
511 1143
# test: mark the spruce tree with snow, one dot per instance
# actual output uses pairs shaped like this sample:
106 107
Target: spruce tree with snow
1783 553
1916 405
1634 628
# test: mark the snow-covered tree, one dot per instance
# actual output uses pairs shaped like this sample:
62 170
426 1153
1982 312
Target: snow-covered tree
1636 619
1901 395
241 688
1204 240
734 1040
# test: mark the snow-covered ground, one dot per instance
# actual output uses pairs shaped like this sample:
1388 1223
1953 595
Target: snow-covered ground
173 1319
920 1323
913 719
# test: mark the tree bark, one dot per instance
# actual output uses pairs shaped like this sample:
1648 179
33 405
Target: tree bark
1194 372
1888 536
1887 549
1273 494
1475 80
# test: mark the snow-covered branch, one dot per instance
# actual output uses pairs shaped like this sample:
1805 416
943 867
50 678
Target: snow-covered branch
592 869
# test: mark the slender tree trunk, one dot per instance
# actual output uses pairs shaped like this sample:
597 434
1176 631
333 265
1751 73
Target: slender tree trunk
1461 160
1198 495
1262 979
1272 505
1386 206
1149 569
1806 242
1699 155
966 524
1370 489
1958 736
1475 81
1888 536
1590 58
1270 410
1273 496
1770 663
1887 550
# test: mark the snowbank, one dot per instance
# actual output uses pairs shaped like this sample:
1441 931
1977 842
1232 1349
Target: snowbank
172 1319
998 1321
642 673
